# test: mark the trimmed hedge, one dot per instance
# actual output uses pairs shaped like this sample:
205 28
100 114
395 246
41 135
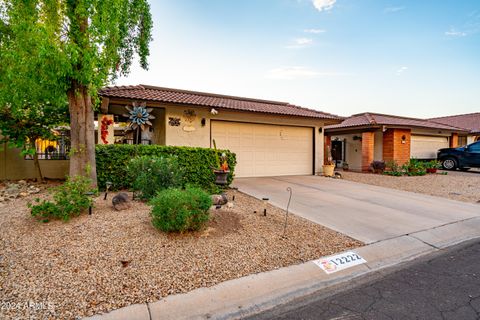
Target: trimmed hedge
112 161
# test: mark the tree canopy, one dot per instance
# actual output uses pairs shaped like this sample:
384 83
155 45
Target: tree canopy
53 51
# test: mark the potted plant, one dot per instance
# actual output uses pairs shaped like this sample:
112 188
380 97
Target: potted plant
329 166
432 166
222 170
378 166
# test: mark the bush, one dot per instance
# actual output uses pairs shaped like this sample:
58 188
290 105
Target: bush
176 210
378 166
69 199
113 160
153 174
415 167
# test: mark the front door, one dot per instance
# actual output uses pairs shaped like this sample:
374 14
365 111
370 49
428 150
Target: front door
337 151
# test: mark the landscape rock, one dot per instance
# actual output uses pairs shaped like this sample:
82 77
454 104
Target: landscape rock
219 199
121 201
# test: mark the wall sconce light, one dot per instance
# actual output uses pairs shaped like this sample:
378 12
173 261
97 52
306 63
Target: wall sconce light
357 138
320 130
203 122
404 139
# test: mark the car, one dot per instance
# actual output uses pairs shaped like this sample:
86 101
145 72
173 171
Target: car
462 158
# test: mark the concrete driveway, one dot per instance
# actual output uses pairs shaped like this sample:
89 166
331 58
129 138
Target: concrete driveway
364 212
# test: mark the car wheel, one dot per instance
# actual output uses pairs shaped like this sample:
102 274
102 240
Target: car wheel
464 169
449 164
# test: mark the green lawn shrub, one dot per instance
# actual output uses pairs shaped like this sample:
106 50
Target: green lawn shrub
151 174
69 200
197 163
177 210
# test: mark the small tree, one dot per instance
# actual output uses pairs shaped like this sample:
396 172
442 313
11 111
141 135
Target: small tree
56 50
20 128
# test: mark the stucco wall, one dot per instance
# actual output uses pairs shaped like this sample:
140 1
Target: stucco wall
177 136
14 167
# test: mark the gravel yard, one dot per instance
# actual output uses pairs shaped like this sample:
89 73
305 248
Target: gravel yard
111 259
456 185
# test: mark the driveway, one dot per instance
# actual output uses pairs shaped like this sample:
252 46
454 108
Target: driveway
364 212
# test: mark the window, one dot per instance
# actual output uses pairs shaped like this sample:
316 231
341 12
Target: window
462 140
53 149
474 147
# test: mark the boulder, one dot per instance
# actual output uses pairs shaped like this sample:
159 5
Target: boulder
121 201
219 199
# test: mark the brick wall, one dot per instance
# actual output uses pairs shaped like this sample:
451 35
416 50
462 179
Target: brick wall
454 140
396 145
368 141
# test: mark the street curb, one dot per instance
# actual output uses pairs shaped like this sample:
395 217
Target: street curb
253 294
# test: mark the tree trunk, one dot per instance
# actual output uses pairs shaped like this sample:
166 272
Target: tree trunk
82 133
37 167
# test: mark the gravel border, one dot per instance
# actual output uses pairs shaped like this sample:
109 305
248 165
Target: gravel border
461 186
112 259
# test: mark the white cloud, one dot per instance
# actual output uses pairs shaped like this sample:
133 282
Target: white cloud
316 31
401 70
323 5
455 33
296 72
393 9
300 43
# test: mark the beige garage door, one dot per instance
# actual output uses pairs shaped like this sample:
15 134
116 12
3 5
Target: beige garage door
426 147
266 150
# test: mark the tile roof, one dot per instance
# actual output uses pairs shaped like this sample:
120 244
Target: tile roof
168 95
469 121
377 119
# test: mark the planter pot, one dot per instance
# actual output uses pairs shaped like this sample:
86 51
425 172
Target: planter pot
221 177
328 170
431 170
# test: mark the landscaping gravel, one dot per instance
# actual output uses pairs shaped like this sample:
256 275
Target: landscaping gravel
462 186
112 259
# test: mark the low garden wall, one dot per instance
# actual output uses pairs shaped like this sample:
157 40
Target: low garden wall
112 163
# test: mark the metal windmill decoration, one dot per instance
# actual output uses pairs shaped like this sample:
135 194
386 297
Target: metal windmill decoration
139 117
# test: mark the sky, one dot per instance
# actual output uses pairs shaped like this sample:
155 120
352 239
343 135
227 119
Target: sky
409 58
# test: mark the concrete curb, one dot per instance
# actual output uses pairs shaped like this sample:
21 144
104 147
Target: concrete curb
252 294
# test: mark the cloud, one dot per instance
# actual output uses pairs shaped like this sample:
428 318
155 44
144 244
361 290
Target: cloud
296 72
393 9
323 5
455 33
316 31
300 43
401 70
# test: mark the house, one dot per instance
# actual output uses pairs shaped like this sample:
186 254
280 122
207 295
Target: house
469 122
270 138
365 137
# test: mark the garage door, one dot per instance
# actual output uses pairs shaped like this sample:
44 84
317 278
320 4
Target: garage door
266 150
426 147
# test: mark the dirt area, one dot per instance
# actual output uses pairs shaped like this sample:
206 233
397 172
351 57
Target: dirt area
456 185
111 259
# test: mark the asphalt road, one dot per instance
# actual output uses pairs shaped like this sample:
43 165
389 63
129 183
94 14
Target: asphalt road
443 286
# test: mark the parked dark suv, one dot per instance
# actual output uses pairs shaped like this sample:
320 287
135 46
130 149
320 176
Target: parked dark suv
463 158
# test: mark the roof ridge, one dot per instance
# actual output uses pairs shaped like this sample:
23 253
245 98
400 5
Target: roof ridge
146 86
453 116
449 125
370 118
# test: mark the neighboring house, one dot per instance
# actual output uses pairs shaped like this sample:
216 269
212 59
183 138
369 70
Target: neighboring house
270 138
365 137
469 122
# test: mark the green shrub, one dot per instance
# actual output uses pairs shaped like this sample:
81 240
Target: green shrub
69 199
176 210
153 174
112 163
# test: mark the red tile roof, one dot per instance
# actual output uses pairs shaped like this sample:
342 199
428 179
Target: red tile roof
469 121
376 119
168 95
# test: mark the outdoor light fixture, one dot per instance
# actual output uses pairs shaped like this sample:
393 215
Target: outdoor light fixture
108 184
404 138
319 130
265 202
203 122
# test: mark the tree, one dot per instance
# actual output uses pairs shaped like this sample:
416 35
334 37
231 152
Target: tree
68 49
22 127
